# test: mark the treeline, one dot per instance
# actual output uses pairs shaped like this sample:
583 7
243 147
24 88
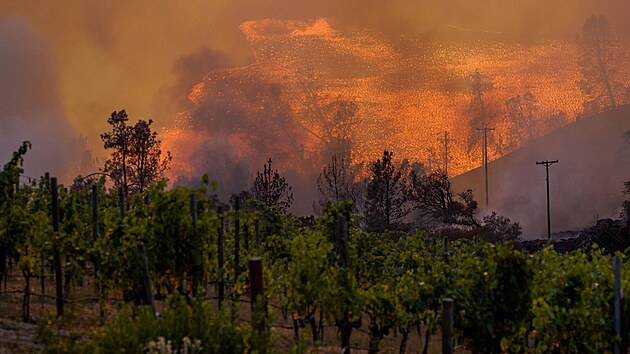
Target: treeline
385 194
330 274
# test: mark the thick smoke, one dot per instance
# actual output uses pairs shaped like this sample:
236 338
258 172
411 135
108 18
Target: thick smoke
30 101
239 121
124 53
144 57
188 71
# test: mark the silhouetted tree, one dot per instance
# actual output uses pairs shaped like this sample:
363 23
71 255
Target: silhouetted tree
387 194
11 171
521 112
336 182
432 197
330 119
136 160
598 58
271 189
498 228
480 115
339 119
86 162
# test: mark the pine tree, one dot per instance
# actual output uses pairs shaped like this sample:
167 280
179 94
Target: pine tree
271 189
136 160
336 183
387 191
598 60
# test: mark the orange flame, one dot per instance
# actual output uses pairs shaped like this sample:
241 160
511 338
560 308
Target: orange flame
406 97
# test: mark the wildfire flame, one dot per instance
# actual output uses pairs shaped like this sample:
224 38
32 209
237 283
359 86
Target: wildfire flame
407 97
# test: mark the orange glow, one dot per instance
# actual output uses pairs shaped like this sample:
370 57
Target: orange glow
406 98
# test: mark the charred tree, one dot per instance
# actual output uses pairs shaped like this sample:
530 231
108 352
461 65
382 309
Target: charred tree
386 198
431 195
332 120
598 58
336 183
521 112
478 108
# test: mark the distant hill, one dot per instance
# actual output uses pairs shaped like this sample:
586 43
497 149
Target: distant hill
586 184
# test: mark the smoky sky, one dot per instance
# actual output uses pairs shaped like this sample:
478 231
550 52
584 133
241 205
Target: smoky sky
66 65
30 101
129 53
188 70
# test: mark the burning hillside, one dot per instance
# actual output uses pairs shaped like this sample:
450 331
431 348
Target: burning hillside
316 88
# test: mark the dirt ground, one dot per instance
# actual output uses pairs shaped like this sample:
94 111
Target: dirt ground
82 316
18 337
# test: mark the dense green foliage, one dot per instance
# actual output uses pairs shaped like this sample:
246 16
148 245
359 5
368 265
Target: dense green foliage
504 300
215 331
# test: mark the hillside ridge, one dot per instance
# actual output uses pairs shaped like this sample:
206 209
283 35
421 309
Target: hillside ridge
586 184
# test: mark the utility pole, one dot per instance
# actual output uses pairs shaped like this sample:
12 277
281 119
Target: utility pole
547 163
446 140
484 156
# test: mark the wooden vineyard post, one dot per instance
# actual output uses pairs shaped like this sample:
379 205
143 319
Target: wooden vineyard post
148 290
246 237
57 255
237 237
26 301
42 274
221 241
4 267
447 325
618 299
341 240
257 232
94 205
121 203
193 217
42 280
193 212
258 305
